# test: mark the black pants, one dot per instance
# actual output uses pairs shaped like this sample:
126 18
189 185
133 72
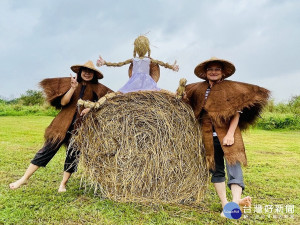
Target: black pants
47 152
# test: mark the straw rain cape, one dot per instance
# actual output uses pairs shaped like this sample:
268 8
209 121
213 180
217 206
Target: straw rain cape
224 100
55 88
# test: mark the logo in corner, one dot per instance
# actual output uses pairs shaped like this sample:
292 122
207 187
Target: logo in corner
232 211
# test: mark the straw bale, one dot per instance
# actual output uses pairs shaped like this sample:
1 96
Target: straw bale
143 147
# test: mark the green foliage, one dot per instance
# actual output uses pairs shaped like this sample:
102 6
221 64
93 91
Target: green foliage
293 106
32 97
281 115
271 121
7 109
31 103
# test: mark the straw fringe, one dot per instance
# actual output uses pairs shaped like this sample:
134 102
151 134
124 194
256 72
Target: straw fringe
256 106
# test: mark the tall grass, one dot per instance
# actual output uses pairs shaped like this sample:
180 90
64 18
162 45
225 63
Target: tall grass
18 109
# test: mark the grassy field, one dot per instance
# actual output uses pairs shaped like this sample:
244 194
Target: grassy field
272 179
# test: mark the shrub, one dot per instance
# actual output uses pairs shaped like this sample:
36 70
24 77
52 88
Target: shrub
21 110
32 97
271 121
294 104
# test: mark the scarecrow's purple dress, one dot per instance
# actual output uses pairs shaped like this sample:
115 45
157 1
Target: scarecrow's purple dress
140 79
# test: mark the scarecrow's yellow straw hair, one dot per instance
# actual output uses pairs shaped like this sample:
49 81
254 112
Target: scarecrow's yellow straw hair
141 46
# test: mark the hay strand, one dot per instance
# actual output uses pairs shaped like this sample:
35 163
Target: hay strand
143 147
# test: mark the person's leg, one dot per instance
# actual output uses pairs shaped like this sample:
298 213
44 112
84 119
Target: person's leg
23 180
63 183
221 191
236 191
72 158
41 159
218 175
236 184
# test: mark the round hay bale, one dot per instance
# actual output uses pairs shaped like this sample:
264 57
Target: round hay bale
143 146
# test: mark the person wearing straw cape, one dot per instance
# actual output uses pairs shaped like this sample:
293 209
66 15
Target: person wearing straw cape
142 78
63 93
224 108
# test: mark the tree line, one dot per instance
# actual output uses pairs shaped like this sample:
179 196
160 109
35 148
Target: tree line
275 116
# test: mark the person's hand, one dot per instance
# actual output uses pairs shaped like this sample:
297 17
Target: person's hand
228 140
74 83
85 111
175 67
100 62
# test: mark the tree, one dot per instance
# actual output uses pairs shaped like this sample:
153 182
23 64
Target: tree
32 97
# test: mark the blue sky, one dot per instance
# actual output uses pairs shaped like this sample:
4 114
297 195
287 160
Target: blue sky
42 39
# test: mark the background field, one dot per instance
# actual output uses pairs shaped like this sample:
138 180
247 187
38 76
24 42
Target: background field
272 178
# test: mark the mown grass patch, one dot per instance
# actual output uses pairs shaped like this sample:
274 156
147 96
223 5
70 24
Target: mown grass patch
271 178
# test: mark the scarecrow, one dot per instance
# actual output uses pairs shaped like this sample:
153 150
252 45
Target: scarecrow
143 144
225 108
143 71
63 93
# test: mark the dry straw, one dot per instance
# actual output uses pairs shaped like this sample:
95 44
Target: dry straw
141 46
143 147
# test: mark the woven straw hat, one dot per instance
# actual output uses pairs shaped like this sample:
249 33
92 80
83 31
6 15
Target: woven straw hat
89 65
228 68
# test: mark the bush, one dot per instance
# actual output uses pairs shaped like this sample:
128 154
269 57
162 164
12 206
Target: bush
21 110
294 104
32 97
271 121
17 107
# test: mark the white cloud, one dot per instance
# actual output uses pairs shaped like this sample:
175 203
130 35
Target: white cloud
282 87
43 39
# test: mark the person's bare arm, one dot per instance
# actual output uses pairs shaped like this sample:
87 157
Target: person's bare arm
67 97
229 137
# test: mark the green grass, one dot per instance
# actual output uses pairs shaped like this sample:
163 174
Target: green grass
271 178
27 110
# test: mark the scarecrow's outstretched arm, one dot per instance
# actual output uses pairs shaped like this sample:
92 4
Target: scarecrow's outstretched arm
101 62
96 105
174 67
